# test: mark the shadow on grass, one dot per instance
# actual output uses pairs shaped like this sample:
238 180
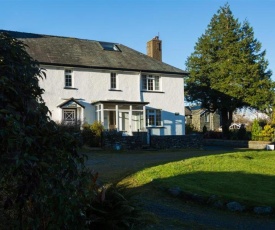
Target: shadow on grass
249 189
195 201
194 206
113 166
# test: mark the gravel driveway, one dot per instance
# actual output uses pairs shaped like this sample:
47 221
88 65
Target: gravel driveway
113 166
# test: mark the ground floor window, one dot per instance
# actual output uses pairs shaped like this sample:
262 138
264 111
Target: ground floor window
153 117
69 115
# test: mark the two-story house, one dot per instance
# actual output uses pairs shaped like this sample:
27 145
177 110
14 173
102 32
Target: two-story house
122 88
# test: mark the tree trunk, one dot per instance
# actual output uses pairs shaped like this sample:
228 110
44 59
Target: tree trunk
226 122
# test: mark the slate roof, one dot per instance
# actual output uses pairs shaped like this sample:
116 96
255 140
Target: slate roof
71 100
187 111
74 52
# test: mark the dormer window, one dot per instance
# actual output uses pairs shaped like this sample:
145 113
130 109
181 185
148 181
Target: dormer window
109 46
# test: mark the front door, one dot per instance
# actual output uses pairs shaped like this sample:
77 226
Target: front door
112 120
124 121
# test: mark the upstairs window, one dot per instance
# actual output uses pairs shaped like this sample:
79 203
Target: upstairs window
150 83
113 81
68 78
153 117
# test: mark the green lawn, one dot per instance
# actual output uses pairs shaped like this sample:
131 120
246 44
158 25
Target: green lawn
247 176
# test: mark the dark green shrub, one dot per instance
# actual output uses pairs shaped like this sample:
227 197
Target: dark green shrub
241 133
204 129
118 208
189 128
212 135
74 130
87 136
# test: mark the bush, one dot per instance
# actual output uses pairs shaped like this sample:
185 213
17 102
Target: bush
92 134
97 128
74 130
204 129
241 133
213 135
268 131
255 130
259 134
189 128
118 208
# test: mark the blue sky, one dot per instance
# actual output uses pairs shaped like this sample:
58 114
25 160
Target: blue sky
179 23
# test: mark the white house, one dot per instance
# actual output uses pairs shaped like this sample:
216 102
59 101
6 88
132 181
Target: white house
109 82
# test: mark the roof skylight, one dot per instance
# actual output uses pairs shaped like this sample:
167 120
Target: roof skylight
109 46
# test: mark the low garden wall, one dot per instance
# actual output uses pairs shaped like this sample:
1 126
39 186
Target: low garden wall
115 140
237 143
226 143
259 144
177 142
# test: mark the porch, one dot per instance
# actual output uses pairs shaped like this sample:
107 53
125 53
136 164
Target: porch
124 116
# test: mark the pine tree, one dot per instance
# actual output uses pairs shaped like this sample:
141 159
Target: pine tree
228 70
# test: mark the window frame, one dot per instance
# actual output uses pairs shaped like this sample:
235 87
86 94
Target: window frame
109 46
68 73
150 82
67 110
153 118
113 81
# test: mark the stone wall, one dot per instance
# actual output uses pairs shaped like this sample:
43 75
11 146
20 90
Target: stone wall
177 142
113 140
237 143
226 143
259 144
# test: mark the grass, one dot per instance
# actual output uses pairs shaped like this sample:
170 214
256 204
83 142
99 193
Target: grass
247 176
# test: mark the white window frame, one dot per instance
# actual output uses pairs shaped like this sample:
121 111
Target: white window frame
113 81
68 73
150 82
153 118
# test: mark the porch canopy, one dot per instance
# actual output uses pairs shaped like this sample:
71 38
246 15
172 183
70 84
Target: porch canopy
126 116
72 110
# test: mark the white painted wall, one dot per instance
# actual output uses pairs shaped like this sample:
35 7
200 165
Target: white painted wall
171 101
93 85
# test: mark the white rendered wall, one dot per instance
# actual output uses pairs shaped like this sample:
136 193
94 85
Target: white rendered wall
92 85
171 102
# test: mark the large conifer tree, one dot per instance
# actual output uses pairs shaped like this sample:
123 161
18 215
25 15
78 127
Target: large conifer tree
227 69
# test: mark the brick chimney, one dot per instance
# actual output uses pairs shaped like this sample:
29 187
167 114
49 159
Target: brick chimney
154 48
